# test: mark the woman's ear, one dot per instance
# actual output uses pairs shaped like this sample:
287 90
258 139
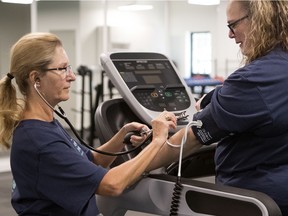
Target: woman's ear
34 77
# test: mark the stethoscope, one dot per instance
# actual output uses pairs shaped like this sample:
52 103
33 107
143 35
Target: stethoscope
60 113
178 186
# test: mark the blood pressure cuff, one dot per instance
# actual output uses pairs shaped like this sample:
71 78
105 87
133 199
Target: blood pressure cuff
209 132
206 100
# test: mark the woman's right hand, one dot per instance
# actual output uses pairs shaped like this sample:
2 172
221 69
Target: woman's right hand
161 125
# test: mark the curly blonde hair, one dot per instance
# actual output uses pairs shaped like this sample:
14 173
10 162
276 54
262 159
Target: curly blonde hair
268 27
33 51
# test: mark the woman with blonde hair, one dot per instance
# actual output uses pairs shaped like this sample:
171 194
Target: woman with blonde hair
53 174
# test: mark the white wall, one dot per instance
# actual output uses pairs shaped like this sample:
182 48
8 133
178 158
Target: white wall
185 18
224 47
140 31
14 22
162 29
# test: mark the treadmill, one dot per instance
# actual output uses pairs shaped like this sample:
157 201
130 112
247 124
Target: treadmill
149 83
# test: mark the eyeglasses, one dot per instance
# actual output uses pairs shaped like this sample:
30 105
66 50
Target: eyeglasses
65 71
233 25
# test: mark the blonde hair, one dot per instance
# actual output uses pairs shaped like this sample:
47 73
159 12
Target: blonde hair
268 27
33 51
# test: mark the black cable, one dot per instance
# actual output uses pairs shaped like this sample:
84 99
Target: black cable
176 197
63 116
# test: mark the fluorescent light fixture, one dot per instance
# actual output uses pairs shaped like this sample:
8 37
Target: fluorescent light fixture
18 1
204 2
135 7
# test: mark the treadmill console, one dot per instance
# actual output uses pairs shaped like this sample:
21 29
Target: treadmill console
149 84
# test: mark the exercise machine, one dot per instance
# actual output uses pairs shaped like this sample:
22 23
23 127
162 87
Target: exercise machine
149 83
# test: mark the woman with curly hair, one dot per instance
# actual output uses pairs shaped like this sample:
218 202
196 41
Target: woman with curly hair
248 115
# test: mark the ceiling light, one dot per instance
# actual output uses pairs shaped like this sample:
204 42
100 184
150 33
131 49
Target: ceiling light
135 7
204 2
18 1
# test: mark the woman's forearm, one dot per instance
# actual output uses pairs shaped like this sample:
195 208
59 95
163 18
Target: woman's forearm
115 144
169 154
120 177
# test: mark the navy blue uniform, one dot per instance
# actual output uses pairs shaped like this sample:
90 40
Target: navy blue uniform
53 175
248 115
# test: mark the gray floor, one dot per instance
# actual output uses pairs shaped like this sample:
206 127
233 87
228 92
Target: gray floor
5 185
5 191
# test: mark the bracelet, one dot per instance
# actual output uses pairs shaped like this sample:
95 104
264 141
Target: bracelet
172 145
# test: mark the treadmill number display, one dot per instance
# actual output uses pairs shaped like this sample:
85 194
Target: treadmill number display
153 84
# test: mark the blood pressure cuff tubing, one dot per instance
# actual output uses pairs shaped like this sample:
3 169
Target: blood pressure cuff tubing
209 132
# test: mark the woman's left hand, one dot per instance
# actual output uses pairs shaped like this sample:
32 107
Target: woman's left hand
142 129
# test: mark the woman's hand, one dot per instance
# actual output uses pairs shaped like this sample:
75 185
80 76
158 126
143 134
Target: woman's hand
162 124
142 129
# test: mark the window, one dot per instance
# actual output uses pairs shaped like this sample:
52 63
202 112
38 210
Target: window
201 53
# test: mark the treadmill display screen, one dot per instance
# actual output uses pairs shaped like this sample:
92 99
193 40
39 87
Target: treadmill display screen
154 83
147 72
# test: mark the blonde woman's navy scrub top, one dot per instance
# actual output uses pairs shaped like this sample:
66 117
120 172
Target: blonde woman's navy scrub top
53 175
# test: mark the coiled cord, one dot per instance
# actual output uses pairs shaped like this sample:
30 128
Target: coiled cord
176 197
178 186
